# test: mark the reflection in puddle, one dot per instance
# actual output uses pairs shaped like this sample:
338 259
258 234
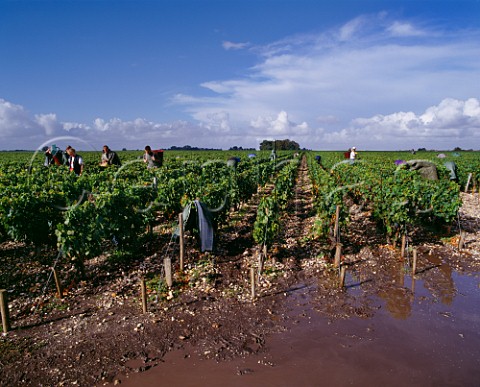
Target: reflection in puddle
392 289
433 279
439 281
389 283
398 298
399 301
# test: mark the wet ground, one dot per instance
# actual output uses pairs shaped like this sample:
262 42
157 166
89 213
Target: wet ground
414 338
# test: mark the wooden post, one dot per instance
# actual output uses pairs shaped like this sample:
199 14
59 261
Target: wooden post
337 220
461 240
57 283
264 252
476 188
143 288
4 310
260 262
338 255
167 263
252 282
414 264
404 242
182 241
468 182
343 270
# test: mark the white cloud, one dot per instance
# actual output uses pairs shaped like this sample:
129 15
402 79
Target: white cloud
218 123
453 113
49 123
73 126
445 124
234 46
139 130
21 130
16 121
278 126
404 29
450 121
350 29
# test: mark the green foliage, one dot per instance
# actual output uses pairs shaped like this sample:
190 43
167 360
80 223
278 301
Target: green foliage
267 223
79 236
29 213
398 198
327 196
107 209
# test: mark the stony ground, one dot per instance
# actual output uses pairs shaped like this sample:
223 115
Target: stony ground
97 331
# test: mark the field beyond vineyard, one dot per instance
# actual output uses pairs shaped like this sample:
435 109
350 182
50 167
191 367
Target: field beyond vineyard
278 217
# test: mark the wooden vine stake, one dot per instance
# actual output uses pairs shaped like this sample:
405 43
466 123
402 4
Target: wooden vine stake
343 271
461 240
4 310
182 241
414 264
167 263
404 242
252 282
476 188
261 261
337 221
338 255
58 284
264 253
468 182
143 288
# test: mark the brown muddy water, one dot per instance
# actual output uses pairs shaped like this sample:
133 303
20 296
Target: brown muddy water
416 337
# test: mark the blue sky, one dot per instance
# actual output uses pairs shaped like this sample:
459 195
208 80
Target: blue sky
380 75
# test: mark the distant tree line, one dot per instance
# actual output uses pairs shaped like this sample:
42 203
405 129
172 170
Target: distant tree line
190 148
279 145
239 148
456 149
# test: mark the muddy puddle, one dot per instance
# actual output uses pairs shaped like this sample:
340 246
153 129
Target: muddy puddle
423 332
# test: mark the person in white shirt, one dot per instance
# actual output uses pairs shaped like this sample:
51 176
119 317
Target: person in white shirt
75 162
353 153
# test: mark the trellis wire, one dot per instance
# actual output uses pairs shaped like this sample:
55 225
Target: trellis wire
60 254
165 253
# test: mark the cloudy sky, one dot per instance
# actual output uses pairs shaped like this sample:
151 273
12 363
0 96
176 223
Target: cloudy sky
377 74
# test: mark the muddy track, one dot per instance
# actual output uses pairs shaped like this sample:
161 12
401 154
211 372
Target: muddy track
297 221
